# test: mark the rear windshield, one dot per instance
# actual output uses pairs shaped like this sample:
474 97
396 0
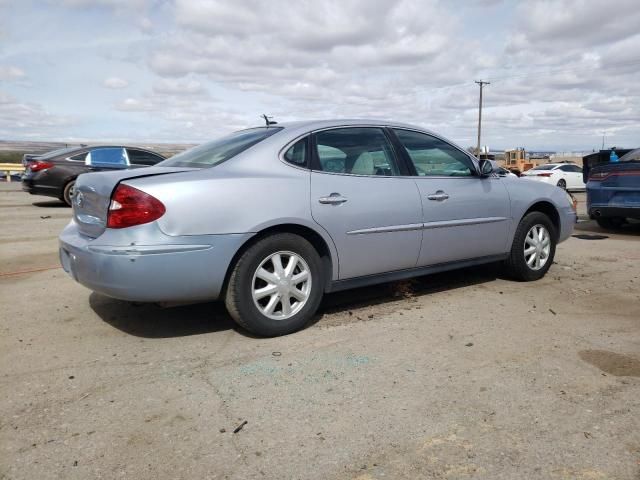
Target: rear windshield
60 151
544 167
217 151
633 156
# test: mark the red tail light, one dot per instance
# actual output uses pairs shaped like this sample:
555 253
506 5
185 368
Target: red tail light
545 174
39 165
130 206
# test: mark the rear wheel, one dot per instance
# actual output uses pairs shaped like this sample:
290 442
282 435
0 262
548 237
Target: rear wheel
276 286
67 193
611 223
533 249
562 184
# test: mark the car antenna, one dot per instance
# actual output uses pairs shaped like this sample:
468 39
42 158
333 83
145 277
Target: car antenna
268 121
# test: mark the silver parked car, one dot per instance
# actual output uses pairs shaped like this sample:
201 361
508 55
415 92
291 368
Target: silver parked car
271 218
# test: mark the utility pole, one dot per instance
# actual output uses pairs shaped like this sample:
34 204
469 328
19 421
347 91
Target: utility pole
603 134
482 84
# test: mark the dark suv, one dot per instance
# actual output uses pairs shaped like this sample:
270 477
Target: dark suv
54 174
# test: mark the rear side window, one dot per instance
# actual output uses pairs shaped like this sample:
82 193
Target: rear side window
434 157
140 157
213 153
356 151
296 154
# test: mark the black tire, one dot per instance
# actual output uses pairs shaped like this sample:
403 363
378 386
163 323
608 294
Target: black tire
611 223
562 184
67 193
238 296
516 265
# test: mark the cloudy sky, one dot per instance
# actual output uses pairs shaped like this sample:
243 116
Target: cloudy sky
562 72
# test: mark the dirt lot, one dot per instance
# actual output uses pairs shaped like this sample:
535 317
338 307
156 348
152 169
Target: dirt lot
460 375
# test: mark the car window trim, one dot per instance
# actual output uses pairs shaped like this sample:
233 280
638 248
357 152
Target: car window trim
315 159
473 167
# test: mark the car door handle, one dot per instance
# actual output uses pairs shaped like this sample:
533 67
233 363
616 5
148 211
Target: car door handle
333 199
439 196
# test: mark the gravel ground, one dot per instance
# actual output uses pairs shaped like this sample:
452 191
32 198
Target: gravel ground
458 375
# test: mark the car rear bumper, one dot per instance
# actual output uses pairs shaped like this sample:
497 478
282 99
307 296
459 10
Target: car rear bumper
178 269
28 185
607 211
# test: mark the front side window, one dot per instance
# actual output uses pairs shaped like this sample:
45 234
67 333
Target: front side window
355 151
434 157
297 153
213 153
113 157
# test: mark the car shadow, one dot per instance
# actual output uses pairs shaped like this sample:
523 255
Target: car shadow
152 321
149 320
415 287
632 228
50 204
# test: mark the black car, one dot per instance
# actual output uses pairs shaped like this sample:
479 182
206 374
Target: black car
54 174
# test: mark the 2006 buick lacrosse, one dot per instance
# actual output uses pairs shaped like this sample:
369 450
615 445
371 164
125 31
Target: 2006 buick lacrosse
269 219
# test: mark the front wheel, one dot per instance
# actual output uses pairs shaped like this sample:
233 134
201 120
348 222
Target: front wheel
276 286
533 248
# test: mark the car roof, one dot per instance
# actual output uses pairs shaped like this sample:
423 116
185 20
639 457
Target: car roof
348 122
71 151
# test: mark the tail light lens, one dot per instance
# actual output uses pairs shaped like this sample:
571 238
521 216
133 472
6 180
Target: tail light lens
39 165
130 206
598 175
545 174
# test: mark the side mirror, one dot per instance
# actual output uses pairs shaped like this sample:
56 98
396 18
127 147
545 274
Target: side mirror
486 167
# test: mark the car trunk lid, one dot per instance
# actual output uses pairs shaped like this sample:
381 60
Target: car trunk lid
92 195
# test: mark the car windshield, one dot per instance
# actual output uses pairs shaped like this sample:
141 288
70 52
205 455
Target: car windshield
632 156
217 151
544 167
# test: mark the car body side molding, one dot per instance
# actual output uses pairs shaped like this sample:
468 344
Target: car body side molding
367 280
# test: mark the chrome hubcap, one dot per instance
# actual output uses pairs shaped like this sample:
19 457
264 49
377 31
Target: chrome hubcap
281 285
537 247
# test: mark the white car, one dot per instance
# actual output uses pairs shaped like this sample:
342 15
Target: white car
565 175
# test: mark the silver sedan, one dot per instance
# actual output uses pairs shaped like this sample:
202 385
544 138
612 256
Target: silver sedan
269 219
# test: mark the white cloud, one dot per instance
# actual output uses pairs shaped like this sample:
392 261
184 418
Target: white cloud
28 117
561 70
10 72
115 83
180 87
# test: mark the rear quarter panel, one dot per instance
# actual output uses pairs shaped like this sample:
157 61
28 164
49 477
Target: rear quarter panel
232 200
